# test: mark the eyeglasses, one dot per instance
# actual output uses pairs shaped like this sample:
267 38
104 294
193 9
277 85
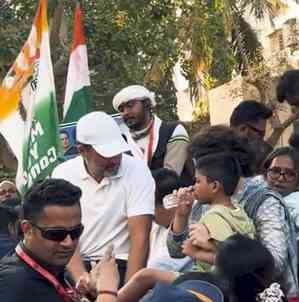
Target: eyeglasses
259 132
59 234
288 174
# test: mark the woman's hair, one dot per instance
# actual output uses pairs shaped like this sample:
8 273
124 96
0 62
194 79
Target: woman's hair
219 138
247 265
292 153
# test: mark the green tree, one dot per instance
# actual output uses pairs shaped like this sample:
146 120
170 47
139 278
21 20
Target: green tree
138 42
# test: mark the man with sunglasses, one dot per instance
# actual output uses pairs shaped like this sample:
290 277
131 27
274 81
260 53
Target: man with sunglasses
249 118
51 224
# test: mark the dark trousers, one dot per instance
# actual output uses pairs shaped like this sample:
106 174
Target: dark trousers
121 266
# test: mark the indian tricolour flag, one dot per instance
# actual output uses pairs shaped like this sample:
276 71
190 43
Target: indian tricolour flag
77 98
28 113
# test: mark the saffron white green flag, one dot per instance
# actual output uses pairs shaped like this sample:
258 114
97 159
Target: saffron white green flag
28 112
77 98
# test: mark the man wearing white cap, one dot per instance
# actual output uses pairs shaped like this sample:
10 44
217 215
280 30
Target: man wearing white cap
160 144
117 196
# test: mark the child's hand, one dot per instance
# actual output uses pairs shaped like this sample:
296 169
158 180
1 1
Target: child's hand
105 273
189 249
185 199
199 234
85 285
198 253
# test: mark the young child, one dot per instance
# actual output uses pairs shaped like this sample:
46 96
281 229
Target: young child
217 177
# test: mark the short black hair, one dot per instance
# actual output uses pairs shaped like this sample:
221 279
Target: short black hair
222 168
9 213
294 140
292 153
288 85
49 192
220 138
166 181
246 264
249 111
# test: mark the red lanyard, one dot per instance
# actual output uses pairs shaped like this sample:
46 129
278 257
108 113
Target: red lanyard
67 294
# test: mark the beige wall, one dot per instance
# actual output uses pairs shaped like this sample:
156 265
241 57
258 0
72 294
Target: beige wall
223 99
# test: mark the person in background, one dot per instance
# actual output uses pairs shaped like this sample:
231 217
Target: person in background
281 170
159 143
7 190
249 119
9 225
166 181
69 149
288 87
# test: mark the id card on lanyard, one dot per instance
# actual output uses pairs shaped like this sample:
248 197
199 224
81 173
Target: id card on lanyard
68 294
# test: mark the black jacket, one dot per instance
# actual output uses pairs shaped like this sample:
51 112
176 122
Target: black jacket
20 283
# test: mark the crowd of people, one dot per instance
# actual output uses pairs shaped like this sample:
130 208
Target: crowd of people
144 213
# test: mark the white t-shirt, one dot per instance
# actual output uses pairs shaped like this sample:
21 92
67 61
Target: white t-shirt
106 206
159 257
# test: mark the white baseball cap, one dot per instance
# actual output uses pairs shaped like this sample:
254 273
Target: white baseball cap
133 92
100 130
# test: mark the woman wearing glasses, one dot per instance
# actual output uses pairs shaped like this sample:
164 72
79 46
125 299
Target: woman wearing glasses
281 172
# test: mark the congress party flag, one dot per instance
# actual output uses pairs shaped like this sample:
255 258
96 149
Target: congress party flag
77 99
28 112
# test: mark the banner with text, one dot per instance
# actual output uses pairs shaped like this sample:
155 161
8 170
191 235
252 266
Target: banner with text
28 112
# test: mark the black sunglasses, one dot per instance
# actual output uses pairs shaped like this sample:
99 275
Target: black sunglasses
259 132
59 234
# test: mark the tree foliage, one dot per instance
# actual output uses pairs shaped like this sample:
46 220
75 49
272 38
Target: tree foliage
129 42
138 42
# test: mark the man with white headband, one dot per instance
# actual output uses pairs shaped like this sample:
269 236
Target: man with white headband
160 144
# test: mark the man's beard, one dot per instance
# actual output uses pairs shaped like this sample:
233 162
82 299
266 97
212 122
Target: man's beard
111 172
